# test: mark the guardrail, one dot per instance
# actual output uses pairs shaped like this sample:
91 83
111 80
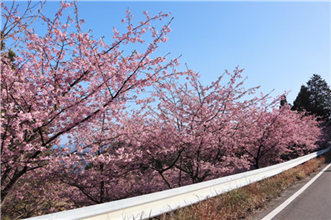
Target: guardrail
154 204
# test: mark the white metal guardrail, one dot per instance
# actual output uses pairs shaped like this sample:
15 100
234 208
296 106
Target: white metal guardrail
154 204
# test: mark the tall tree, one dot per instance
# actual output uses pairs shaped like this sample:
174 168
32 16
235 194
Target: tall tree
283 101
65 79
315 98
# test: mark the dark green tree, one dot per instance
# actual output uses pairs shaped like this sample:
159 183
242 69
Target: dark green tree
283 101
302 101
315 98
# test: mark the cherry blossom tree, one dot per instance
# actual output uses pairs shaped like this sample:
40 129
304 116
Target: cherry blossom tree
191 139
194 133
269 131
152 149
66 78
36 194
103 163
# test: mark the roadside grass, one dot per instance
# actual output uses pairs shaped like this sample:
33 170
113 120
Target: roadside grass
242 203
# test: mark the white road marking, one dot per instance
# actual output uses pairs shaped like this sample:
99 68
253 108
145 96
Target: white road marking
295 195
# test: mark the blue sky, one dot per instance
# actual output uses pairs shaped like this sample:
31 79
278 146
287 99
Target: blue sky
279 44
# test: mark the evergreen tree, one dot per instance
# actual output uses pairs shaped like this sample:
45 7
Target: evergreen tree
283 101
302 102
315 98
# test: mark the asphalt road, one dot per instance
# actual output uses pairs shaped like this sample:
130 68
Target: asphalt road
312 204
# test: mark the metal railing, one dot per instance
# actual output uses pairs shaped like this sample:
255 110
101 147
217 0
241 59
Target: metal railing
154 204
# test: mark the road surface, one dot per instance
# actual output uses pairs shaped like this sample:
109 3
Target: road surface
314 203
